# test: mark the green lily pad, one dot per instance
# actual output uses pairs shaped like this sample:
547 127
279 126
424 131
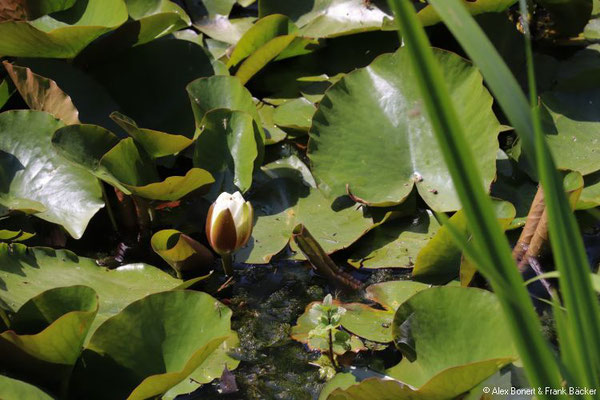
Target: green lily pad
590 196
439 260
211 369
169 335
33 171
27 272
16 227
572 129
215 92
373 118
394 244
6 91
428 15
154 18
273 134
65 33
263 42
281 204
211 17
180 251
48 332
148 83
295 114
155 143
450 383
42 94
442 328
124 164
375 324
328 18
13 389
227 147
263 31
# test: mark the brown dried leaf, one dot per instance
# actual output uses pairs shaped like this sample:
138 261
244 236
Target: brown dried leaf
13 10
42 94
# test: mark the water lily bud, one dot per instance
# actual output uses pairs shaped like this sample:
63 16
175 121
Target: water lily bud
229 223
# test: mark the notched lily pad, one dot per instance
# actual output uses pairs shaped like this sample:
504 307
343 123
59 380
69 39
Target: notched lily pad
35 174
169 335
373 118
47 332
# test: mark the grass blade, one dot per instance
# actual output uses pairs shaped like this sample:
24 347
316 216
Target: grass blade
499 267
568 249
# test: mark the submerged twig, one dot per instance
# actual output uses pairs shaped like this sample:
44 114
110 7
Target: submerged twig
319 259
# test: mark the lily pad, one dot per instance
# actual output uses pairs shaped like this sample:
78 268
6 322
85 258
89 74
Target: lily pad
227 147
48 332
34 171
295 114
590 196
154 18
124 164
441 329
212 18
394 244
428 15
283 203
169 335
14 389
439 260
571 128
263 31
373 118
180 251
328 18
273 134
42 94
27 272
65 33
156 143
208 94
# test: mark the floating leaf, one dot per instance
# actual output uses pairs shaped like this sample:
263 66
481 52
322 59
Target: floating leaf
64 34
13 389
373 118
155 143
572 129
169 335
34 171
27 272
227 148
42 94
428 16
439 260
328 18
48 331
295 114
212 18
180 251
394 244
261 33
124 164
283 203
153 19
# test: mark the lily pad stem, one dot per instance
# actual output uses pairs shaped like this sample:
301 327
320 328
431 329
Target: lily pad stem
227 260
